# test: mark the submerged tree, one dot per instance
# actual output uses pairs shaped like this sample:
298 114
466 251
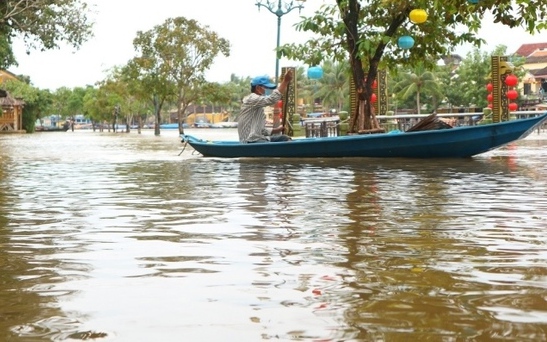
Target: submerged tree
42 24
366 34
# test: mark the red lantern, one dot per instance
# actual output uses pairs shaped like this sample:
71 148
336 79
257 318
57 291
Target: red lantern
490 106
374 84
513 106
489 97
373 98
489 87
279 104
512 94
511 80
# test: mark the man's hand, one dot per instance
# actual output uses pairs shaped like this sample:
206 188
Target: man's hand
288 76
278 129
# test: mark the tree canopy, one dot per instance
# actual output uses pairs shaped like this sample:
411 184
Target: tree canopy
171 61
42 24
365 35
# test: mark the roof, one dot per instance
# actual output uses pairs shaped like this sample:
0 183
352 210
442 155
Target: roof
6 75
539 73
536 59
10 101
526 50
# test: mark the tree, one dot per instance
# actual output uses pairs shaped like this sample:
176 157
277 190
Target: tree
37 101
238 88
42 24
172 61
334 85
466 84
61 97
365 34
417 82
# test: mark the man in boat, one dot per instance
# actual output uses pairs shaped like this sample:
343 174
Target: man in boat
251 125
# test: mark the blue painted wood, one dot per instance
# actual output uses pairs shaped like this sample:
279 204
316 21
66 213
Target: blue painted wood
458 142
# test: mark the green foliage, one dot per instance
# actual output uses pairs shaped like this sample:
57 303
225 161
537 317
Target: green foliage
334 86
238 88
418 82
171 61
42 24
465 84
36 101
61 97
364 34
6 54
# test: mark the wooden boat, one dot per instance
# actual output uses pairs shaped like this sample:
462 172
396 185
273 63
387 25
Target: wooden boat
64 128
173 126
457 142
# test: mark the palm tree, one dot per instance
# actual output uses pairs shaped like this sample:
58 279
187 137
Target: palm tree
418 82
334 85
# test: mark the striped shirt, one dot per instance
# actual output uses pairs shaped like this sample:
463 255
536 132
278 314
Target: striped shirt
251 125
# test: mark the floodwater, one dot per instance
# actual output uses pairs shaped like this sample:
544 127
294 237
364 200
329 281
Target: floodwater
117 237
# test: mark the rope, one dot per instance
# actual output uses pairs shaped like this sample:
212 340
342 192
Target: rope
183 147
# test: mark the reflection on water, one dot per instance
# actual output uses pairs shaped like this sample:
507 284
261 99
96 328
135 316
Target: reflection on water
115 237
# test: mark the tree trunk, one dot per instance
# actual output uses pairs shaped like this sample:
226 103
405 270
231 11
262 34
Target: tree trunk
419 109
157 108
350 15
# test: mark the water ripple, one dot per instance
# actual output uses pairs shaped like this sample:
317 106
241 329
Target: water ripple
116 237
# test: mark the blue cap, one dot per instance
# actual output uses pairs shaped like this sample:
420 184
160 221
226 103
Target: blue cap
264 81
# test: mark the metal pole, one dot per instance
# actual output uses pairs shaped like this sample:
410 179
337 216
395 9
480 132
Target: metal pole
279 12
277 46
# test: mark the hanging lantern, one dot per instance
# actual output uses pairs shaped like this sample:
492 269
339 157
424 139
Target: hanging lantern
373 98
489 87
511 80
512 94
513 106
490 106
418 16
489 97
374 84
315 72
405 42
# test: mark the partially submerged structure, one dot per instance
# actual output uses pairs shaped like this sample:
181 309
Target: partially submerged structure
11 117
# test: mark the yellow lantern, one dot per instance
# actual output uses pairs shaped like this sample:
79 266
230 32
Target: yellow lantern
418 16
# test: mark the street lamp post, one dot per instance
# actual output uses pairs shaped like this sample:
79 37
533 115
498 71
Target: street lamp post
281 10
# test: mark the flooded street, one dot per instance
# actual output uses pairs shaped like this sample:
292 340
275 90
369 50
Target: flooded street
117 237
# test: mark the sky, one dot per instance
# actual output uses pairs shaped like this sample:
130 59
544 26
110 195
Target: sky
252 34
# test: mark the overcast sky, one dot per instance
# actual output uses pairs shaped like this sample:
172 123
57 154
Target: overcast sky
252 35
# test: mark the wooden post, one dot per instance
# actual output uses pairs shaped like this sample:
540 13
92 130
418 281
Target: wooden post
382 103
501 68
289 105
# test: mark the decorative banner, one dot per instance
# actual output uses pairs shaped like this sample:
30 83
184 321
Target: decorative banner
289 103
501 69
380 90
353 100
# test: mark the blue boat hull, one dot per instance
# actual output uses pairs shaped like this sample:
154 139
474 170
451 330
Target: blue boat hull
458 142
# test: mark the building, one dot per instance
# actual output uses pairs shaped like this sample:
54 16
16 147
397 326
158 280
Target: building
11 117
534 83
